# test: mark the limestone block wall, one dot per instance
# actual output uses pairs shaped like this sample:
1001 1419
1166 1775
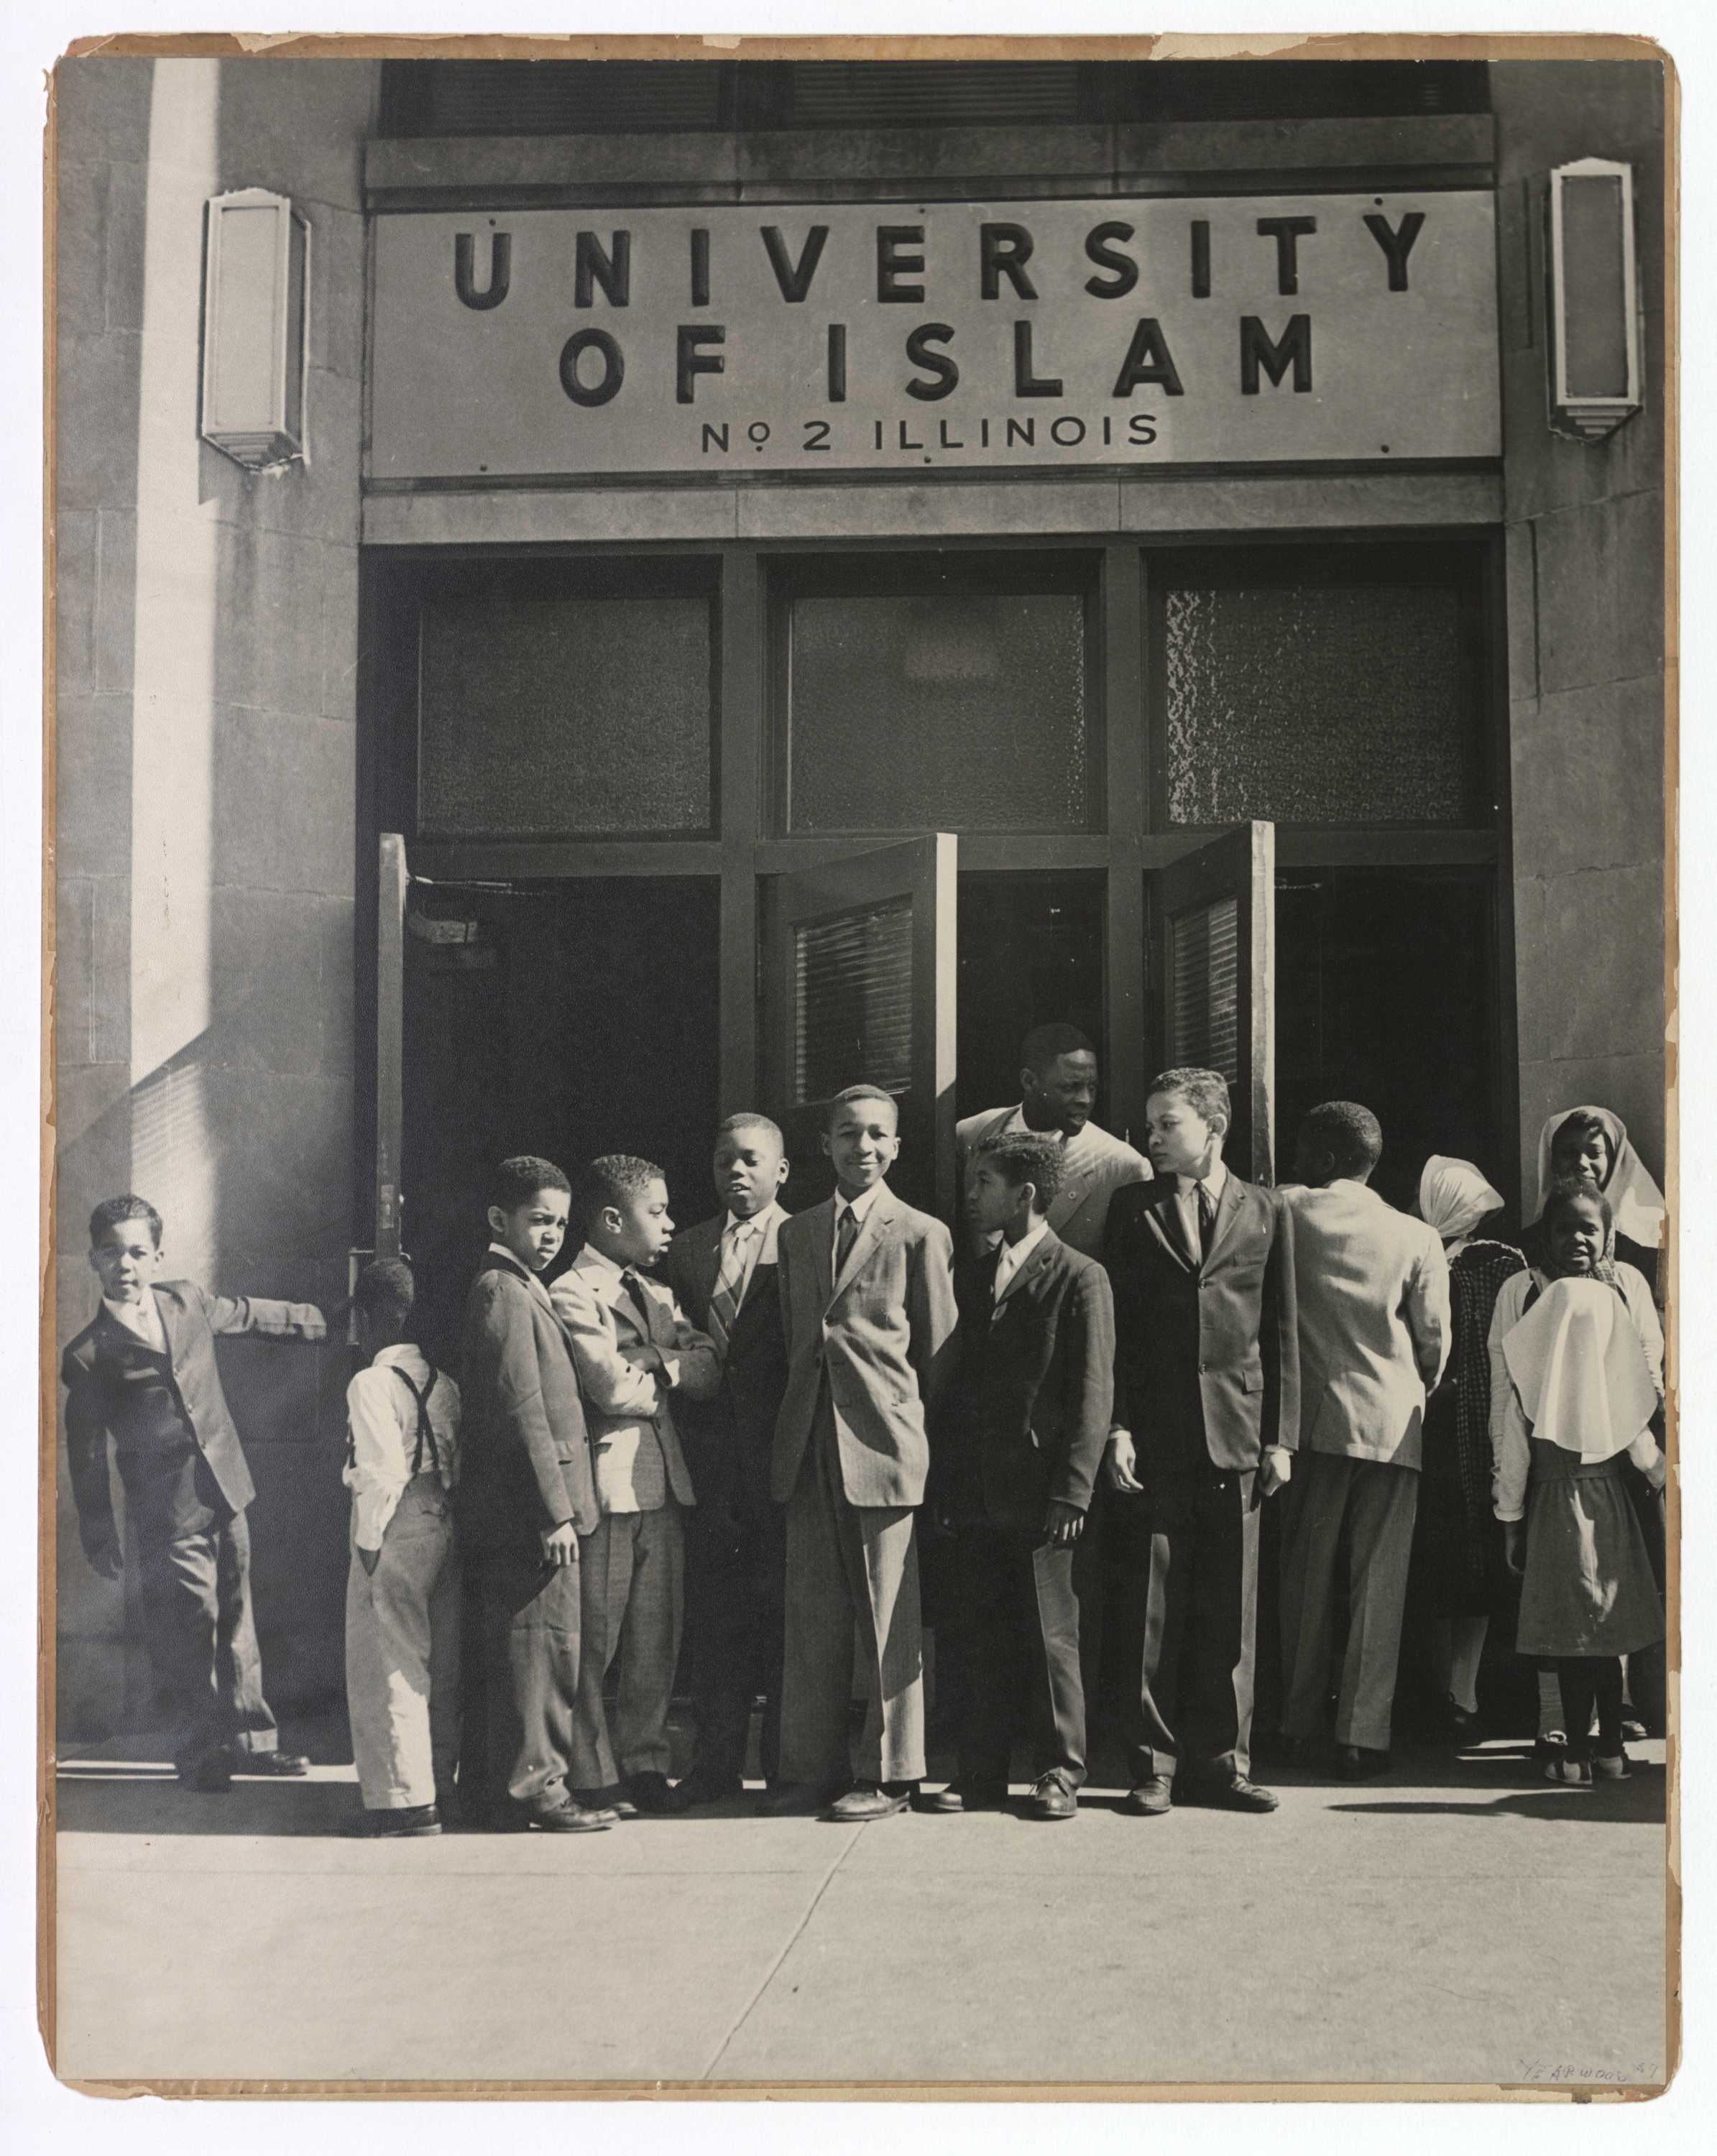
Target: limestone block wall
1585 555
206 623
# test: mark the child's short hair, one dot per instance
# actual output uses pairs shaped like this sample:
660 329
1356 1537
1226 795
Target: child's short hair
748 1119
1044 1043
1565 1190
860 1093
385 1293
609 1180
1572 1133
111 1211
1350 1135
1206 1091
1027 1156
516 1182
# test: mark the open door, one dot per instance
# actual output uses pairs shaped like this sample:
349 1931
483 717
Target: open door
858 982
390 1042
1215 916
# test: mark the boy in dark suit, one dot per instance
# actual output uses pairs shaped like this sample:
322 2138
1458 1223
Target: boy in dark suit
1017 1447
143 1373
1206 1417
527 1496
723 1273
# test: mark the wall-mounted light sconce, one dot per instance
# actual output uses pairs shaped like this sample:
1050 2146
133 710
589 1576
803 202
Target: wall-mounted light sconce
256 339
1595 359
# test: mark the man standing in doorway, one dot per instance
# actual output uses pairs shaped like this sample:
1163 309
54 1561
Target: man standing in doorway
1058 1093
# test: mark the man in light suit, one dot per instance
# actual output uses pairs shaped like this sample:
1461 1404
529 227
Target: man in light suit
1058 1093
633 1349
1206 1419
1373 1335
867 1305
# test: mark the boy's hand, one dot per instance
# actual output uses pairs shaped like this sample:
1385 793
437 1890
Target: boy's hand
369 1559
560 1545
106 1558
1276 1468
1119 1462
1063 1523
1514 1545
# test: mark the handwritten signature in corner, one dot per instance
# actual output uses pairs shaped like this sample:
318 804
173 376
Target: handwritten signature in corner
1543 2069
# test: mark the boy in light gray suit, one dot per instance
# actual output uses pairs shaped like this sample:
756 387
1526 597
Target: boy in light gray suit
867 1305
1373 1335
633 1349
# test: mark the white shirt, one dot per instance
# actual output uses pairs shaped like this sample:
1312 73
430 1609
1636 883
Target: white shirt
383 1418
143 1317
1014 1255
1186 1200
859 1207
761 1231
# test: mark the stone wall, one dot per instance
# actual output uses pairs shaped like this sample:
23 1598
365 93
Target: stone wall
1585 555
207 631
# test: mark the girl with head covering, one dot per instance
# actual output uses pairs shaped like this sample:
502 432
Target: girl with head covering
1593 1142
1457 1570
1576 1384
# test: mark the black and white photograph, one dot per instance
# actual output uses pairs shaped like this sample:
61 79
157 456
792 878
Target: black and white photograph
863 1202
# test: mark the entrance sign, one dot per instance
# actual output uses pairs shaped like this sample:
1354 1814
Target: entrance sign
723 339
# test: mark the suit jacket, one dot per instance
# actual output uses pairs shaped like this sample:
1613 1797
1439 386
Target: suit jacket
1374 1322
726 1440
880 1337
1026 1416
524 1459
1206 1355
117 1386
1095 1166
634 1442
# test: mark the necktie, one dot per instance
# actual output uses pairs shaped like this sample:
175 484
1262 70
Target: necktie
724 1302
640 1302
846 1236
1206 1221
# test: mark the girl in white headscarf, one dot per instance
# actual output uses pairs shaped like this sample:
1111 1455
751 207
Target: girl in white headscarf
1577 1381
1594 1141
1457 1569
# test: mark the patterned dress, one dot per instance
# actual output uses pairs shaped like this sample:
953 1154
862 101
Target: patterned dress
1458 1543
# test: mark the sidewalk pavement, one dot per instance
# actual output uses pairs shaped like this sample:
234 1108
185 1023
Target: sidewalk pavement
1455 1923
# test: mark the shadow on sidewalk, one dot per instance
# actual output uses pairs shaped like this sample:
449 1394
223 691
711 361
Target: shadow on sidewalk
105 1796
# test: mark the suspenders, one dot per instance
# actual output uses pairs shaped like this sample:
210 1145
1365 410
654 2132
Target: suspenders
425 1431
425 1434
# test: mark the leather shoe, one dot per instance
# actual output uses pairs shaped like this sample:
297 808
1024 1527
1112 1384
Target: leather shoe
270 1763
958 1798
870 1800
796 1800
1052 1799
1237 1795
615 1802
1358 1763
1149 1799
699 1787
402 1820
569 1818
651 1794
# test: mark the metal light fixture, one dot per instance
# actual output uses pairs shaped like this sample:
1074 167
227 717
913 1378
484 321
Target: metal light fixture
255 341
1595 345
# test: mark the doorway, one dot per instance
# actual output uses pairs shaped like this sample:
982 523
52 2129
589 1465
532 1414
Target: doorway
568 1019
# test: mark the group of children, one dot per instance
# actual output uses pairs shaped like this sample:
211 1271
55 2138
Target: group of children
747 1435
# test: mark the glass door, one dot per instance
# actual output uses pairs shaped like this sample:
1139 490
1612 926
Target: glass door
859 979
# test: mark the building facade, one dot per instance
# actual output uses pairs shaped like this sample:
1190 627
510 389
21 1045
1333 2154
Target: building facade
1123 570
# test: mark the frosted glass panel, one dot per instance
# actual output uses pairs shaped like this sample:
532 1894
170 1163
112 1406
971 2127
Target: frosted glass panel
951 711
852 1014
1319 704
548 717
